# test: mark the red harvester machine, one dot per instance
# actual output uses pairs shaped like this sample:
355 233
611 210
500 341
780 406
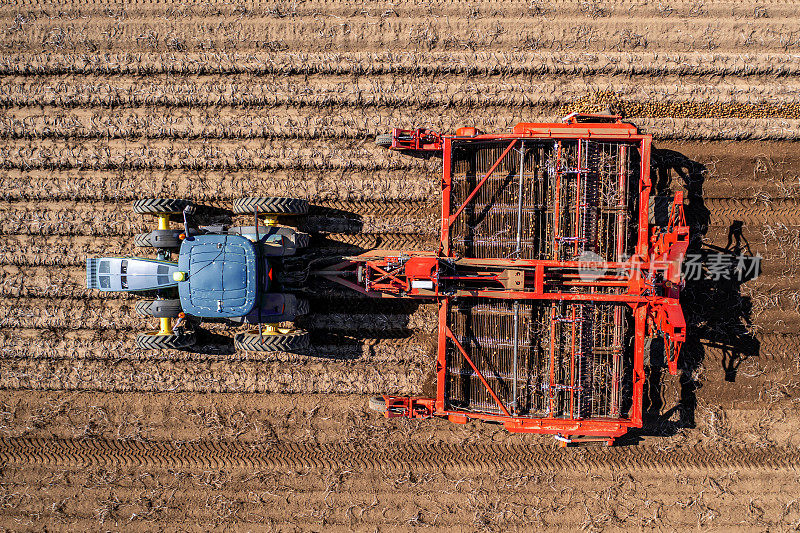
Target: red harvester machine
548 276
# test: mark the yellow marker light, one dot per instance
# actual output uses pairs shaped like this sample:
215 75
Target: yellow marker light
179 276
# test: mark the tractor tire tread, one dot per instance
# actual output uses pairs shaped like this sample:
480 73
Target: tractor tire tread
296 341
270 205
175 341
159 206
159 308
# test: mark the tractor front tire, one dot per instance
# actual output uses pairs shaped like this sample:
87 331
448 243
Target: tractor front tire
296 341
175 341
160 206
269 205
160 238
159 308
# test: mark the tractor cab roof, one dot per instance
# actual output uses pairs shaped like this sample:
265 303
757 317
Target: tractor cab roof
220 276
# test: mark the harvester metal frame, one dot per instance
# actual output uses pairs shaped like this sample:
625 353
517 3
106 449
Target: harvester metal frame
647 283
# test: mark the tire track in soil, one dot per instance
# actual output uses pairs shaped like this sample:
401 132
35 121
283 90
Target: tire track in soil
437 456
723 211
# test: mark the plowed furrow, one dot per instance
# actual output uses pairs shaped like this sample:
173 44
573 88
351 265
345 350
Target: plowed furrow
380 188
319 125
261 155
215 376
434 456
681 100
480 63
254 9
418 31
43 282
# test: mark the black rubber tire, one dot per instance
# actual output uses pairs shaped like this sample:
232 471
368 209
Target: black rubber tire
269 205
160 238
159 308
159 206
176 341
384 140
295 342
302 307
301 240
377 403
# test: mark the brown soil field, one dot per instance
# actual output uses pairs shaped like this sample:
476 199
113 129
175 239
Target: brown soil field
102 103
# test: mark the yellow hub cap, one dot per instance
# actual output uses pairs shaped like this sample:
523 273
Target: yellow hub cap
274 329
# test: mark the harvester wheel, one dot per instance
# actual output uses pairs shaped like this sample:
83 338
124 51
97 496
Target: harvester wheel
160 206
384 140
159 308
153 341
160 238
269 205
292 341
378 404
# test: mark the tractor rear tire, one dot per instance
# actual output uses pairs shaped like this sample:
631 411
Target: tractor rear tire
160 206
301 240
159 308
160 238
269 205
378 404
302 307
154 341
384 140
293 342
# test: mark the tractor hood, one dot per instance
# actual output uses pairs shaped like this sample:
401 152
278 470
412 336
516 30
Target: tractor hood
220 276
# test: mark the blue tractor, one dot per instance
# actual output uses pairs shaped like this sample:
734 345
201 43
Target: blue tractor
220 273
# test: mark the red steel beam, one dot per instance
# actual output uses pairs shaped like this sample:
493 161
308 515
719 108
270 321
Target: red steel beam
559 296
556 203
578 199
572 369
640 315
385 274
644 197
441 356
477 187
446 190
478 372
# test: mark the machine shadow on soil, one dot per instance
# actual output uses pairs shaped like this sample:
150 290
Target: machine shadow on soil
348 336
717 314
